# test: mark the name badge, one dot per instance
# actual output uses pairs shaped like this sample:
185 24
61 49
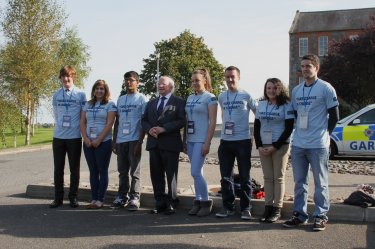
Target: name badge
126 128
229 128
267 137
190 127
302 120
93 132
67 121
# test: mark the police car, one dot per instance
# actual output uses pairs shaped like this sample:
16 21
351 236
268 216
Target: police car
355 134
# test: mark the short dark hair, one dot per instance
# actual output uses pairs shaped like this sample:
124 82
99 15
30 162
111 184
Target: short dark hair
230 68
133 74
313 58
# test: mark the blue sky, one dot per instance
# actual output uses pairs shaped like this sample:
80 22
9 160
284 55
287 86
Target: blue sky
252 35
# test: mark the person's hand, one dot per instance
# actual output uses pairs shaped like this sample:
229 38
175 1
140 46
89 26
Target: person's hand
114 148
87 142
205 149
95 143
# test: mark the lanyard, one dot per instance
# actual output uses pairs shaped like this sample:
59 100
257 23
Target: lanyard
230 108
192 105
94 112
65 101
303 93
126 110
269 115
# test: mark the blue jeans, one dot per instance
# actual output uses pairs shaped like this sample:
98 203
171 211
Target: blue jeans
229 151
197 160
98 162
318 160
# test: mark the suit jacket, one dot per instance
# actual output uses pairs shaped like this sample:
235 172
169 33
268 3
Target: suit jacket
172 119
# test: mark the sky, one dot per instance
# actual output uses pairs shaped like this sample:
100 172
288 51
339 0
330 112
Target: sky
250 34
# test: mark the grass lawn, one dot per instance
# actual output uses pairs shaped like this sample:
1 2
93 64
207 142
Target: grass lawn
42 136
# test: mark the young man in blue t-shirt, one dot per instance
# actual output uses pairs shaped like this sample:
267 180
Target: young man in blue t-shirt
316 107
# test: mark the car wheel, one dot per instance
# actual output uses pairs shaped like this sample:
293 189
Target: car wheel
332 150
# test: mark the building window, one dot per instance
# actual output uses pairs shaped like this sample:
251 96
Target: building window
323 45
303 46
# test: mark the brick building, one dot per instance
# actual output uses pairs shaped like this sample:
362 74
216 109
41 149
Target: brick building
311 32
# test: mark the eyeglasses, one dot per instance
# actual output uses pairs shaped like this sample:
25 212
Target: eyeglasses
129 80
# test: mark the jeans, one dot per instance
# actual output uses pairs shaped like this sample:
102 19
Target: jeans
229 151
73 148
98 162
318 160
197 160
127 161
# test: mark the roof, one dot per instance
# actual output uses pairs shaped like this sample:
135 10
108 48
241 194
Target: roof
332 20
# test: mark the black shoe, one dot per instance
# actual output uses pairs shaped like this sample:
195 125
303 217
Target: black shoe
74 203
169 210
55 204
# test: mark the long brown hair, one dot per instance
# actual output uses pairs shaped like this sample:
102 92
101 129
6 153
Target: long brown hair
106 92
281 98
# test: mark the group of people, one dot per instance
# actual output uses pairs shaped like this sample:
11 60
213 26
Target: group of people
311 112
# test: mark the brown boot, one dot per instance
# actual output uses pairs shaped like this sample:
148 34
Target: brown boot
196 207
206 208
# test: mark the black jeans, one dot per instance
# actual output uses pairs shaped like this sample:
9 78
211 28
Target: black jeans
229 151
61 147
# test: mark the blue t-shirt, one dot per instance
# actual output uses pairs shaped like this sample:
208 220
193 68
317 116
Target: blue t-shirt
130 109
96 118
235 108
314 100
272 119
197 111
67 108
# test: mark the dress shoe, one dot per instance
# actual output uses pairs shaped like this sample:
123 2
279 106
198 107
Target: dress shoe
169 210
74 203
55 204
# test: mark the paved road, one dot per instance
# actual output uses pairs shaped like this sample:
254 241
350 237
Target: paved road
29 223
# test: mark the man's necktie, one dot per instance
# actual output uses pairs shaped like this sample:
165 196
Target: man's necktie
161 106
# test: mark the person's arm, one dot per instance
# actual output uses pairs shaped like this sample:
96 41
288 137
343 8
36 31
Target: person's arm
83 122
257 137
108 126
114 136
289 124
333 117
176 124
212 112
138 146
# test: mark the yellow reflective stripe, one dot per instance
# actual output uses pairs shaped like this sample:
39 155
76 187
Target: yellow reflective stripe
355 133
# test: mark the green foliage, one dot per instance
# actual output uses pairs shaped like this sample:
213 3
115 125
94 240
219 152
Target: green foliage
35 48
9 115
350 68
179 57
42 136
75 53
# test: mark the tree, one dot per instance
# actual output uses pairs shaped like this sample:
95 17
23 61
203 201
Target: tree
35 49
350 68
179 57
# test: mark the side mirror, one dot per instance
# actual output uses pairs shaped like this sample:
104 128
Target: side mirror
356 121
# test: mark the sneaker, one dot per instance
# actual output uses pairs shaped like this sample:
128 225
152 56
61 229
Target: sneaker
293 222
133 205
319 224
118 203
246 215
225 213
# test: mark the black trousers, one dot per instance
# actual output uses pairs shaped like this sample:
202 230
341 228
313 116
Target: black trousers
164 163
61 147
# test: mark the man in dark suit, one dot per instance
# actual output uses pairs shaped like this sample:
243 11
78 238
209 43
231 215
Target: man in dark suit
162 121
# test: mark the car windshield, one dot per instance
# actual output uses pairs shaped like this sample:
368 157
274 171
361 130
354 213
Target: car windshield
345 119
